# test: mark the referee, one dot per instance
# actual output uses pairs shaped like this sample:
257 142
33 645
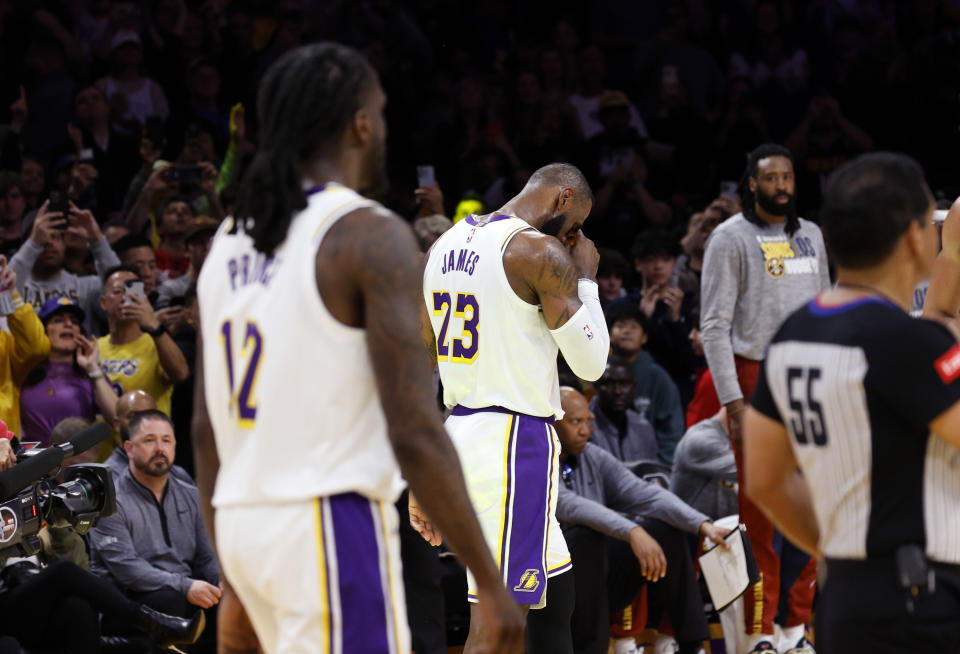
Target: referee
865 401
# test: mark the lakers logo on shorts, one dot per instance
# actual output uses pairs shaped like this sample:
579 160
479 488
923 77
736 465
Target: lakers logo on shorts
528 582
775 267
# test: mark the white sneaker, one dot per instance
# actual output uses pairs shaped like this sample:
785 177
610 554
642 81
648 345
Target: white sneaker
803 646
763 647
665 644
625 646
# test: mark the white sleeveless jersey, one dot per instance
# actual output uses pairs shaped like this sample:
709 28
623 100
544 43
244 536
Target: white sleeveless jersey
493 348
290 390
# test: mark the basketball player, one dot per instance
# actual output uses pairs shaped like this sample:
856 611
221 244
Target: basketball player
313 384
504 292
759 266
866 401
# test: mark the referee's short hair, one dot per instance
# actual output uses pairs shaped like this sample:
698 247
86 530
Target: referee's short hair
869 203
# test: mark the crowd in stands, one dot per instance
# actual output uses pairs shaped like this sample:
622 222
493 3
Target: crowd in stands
126 126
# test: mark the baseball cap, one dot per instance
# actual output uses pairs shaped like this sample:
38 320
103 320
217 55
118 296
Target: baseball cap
58 304
122 37
466 207
202 225
611 99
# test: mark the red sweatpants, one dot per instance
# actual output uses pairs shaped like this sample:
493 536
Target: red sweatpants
766 597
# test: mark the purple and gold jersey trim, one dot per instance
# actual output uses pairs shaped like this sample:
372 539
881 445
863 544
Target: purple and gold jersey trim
472 219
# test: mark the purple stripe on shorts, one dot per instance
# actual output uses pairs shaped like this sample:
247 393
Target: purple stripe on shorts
461 410
526 574
363 609
511 493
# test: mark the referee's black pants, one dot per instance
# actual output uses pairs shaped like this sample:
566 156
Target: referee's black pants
607 578
862 608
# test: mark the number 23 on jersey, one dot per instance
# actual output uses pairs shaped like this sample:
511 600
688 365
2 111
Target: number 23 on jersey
243 401
462 348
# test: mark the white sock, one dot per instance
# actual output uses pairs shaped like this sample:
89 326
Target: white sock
754 639
793 635
625 646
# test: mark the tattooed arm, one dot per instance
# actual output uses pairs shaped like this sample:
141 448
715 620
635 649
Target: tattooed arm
368 274
542 271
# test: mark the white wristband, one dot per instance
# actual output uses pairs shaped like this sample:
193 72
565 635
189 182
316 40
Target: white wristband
96 374
588 288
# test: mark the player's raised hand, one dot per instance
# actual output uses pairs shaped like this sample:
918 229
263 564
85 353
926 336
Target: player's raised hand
503 622
586 258
421 523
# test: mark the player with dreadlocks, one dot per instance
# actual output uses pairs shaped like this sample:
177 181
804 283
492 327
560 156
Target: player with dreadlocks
759 266
313 390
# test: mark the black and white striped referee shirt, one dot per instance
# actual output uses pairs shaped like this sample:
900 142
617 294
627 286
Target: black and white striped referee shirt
856 387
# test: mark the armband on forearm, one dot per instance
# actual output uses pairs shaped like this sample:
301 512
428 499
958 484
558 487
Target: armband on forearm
583 339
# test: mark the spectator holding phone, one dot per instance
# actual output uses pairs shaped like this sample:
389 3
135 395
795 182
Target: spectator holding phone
39 263
198 246
22 346
69 383
138 353
174 220
165 209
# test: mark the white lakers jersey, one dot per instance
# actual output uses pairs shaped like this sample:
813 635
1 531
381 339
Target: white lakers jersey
290 390
493 348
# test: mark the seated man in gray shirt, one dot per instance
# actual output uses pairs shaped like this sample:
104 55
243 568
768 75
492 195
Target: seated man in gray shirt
704 468
155 547
129 404
614 555
620 429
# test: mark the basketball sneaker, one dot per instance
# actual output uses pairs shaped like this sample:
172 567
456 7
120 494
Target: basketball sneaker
803 646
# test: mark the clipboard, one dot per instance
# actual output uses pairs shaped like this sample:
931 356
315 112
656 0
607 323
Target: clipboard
729 573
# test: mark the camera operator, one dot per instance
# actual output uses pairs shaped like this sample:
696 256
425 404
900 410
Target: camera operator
155 547
57 607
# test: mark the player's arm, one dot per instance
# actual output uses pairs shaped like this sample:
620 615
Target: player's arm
426 328
234 631
774 483
564 283
947 425
381 259
943 296
206 460
720 290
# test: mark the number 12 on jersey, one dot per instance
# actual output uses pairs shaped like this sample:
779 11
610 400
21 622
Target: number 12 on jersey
465 348
243 402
